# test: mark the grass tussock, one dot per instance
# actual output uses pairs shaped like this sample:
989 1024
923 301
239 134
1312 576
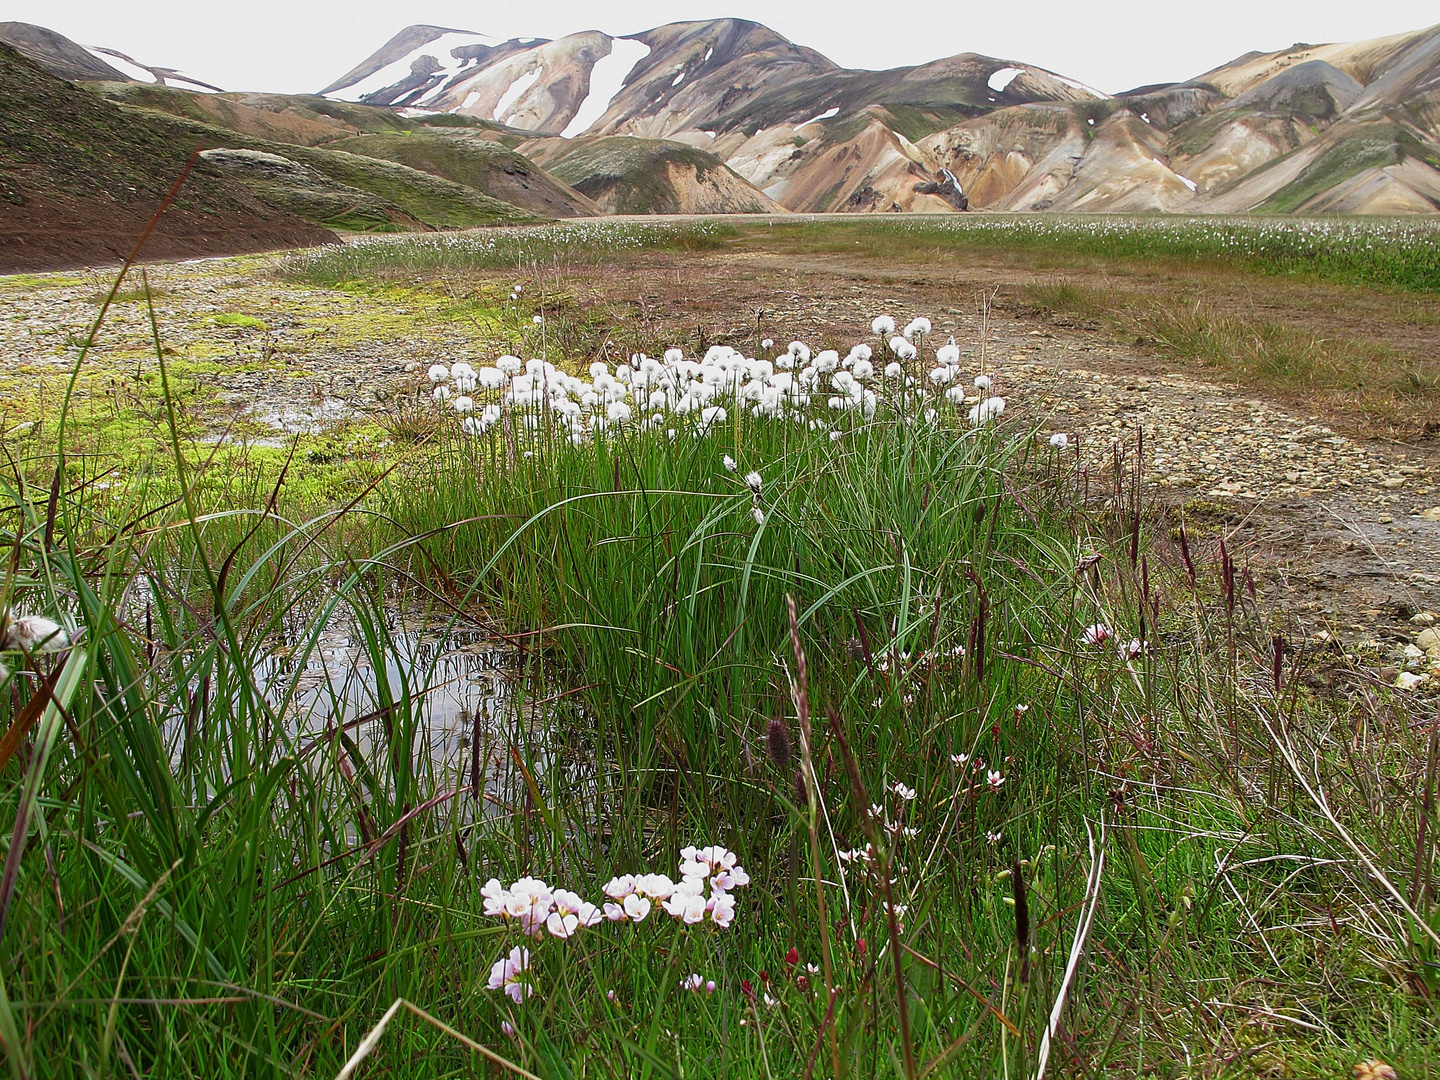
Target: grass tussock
1371 385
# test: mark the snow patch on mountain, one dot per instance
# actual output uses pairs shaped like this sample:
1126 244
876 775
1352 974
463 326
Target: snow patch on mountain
512 93
826 115
125 67
1003 78
128 66
441 49
607 79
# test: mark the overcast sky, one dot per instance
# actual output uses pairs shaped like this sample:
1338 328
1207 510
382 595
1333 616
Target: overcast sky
301 45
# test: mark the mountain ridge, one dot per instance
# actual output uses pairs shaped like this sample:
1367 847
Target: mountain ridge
1348 127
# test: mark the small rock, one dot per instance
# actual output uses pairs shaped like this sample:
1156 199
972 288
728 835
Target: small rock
1433 514
1393 482
1428 639
1409 680
1423 618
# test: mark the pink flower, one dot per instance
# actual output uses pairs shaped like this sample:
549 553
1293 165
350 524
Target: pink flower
505 974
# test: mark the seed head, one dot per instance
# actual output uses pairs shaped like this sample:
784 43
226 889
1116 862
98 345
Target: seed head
777 743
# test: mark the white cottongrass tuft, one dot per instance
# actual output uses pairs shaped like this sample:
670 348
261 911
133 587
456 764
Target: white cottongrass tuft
1060 440
902 348
917 327
988 410
882 325
33 633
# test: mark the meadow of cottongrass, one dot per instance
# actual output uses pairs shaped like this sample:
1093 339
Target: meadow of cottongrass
854 732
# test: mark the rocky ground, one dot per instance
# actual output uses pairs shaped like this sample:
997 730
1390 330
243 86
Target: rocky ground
1342 533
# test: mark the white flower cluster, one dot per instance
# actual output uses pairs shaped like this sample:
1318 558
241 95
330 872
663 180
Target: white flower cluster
674 390
536 907
633 895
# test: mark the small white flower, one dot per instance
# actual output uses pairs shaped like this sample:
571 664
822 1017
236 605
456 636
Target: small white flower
768 343
1060 440
959 759
758 515
882 325
982 382
1095 634
729 463
440 393
463 405
752 481
906 793
994 779
538 320
438 373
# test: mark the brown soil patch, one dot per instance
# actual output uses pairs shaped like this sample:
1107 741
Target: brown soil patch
60 232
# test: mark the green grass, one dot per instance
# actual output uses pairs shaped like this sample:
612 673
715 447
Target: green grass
403 259
1371 147
211 879
1400 254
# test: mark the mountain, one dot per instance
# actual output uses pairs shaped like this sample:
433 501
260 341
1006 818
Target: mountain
629 175
1343 128
80 179
460 150
65 59
445 127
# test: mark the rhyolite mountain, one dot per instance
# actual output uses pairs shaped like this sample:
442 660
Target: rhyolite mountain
728 116
1345 128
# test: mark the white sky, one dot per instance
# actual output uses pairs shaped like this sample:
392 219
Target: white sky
290 46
